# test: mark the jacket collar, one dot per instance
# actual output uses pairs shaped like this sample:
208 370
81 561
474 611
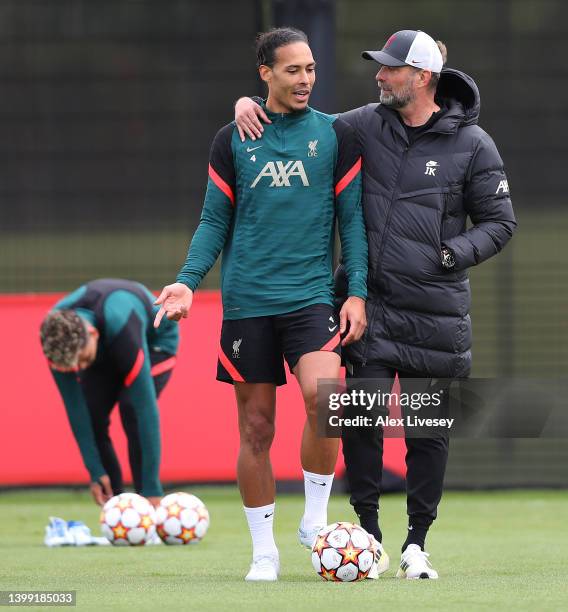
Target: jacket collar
459 94
448 123
286 117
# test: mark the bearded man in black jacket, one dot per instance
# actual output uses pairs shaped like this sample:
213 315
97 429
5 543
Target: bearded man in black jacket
427 168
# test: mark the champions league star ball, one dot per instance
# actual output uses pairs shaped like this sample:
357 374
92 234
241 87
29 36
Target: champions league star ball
343 552
181 518
128 519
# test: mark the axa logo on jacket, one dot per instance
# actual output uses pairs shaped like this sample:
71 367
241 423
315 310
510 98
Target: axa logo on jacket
503 187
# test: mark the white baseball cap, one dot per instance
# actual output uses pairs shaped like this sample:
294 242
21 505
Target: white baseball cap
409 48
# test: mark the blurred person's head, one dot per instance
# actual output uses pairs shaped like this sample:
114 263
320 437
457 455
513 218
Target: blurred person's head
285 63
68 341
410 67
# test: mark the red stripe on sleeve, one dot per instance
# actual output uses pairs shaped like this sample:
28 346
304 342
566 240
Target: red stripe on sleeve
226 363
351 174
131 377
163 366
329 346
223 186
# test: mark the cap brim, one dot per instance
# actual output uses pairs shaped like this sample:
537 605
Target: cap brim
382 58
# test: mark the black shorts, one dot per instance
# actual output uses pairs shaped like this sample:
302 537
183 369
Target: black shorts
252 349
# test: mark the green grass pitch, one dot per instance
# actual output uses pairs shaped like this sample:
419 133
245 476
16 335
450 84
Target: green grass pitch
493 550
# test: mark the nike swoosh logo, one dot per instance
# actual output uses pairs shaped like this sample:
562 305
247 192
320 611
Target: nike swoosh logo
332 329
251 149
321 484
268 515
410 528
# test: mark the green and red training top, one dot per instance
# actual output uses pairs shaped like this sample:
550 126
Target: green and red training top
123 312
271 206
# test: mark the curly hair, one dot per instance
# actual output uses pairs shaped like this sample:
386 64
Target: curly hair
63 334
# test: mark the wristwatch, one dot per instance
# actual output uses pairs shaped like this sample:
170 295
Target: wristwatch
448 258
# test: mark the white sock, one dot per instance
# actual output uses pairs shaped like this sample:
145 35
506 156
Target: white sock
260 521
317 488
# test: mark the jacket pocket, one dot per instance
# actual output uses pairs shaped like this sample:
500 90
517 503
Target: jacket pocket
444 218
453 219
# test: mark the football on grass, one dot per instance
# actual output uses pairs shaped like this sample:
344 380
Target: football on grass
128 519
181 518
343 552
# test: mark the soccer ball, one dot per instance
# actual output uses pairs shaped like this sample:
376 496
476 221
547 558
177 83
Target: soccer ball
128 519
181 518
343 552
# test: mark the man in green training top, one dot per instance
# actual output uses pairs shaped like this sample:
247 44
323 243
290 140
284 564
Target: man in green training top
272 209
102 349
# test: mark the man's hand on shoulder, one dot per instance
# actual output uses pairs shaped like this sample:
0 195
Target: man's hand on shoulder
175 302
247 113
353 311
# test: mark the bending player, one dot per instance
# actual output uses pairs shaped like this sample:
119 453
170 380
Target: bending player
272 209
102 349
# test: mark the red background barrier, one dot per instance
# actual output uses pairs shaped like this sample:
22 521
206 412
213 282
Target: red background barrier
198 414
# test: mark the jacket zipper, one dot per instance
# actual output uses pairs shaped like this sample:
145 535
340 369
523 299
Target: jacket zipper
391 206
382 247
445 215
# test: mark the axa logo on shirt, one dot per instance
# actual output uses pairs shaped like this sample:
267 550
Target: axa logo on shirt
281 173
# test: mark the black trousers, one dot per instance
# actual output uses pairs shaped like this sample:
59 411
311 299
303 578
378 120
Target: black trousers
103 388
426 460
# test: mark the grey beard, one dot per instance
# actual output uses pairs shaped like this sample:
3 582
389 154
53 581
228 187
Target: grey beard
397 101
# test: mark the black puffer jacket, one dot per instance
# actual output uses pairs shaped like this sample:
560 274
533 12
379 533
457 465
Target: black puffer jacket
417 198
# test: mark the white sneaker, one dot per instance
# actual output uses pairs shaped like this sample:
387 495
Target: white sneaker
80 533
307 537
57 533
414 564
381 563
264 568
